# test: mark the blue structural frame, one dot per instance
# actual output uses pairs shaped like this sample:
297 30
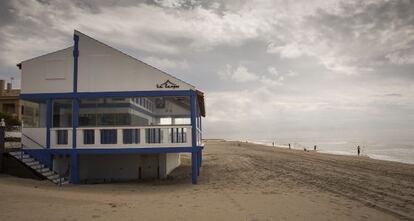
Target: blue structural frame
46 155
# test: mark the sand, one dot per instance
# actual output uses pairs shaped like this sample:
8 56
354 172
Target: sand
238 181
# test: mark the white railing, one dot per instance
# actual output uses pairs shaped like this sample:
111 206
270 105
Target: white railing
123 137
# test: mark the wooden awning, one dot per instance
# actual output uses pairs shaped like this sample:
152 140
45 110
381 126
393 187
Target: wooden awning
200 98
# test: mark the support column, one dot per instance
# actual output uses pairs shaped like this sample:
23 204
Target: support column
74 168
194 167
75 113
194 153
49 115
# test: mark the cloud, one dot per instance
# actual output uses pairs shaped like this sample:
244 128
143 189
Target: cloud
306 65
239 74
165 63
292 50
400 59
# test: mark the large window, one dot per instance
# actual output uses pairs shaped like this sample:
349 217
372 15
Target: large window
88 136
131 136
108 136
62 113
34 114
62 137
134 111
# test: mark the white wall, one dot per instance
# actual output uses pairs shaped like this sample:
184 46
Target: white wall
37 136
48 73
100 69
96 168
173 160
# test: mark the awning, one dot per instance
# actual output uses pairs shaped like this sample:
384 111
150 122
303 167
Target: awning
200 98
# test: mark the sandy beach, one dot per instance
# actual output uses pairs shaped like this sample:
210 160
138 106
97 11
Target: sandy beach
238 181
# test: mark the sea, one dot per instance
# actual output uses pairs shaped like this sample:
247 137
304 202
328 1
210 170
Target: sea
396 150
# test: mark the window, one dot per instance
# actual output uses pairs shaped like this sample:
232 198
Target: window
165 121
108 136
182 121
88 136
62 113
153 135
178 135
62 137
34 114
131 136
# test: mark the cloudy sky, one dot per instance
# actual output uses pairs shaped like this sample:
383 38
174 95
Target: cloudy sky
269 68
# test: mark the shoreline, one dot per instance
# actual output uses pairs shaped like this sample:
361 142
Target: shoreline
324 151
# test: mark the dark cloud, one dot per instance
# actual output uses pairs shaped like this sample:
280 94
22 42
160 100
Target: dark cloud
311 66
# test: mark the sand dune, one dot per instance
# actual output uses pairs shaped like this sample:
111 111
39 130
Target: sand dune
238 181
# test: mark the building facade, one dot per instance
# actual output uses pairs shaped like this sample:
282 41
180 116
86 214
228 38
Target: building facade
93 113
9 100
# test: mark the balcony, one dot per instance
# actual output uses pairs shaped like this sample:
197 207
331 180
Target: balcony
123 137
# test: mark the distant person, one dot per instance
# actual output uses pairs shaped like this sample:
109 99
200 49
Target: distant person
314 148
273 143
289 146
359 150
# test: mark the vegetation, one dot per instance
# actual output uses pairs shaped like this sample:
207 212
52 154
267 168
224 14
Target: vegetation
9 119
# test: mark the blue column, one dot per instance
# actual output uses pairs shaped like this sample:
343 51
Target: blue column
194 157
75 63
74 168
194 167
49 115
75 115
75 102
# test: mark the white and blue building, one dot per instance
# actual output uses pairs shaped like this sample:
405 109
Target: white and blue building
94 113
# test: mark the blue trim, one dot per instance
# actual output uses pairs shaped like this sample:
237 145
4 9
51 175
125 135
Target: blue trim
49 114
70 95
112 150
75 62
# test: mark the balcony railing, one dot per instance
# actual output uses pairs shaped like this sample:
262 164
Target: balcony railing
124 137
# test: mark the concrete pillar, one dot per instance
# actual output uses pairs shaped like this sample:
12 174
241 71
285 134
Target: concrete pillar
194 167
74 168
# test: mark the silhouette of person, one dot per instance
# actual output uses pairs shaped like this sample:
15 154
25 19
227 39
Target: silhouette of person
314 148
359 150
289 146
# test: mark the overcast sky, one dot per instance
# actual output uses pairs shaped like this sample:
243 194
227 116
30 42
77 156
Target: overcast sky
269 69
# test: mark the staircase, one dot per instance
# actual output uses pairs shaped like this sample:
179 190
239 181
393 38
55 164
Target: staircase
39 167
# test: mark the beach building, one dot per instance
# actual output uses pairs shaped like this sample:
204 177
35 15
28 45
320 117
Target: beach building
92 113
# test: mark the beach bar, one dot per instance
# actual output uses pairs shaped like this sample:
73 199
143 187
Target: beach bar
92 113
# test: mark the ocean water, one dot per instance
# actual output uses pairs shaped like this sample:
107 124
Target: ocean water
399 150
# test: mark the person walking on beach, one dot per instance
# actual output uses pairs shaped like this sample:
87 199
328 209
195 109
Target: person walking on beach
358 150
289 146
314 148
